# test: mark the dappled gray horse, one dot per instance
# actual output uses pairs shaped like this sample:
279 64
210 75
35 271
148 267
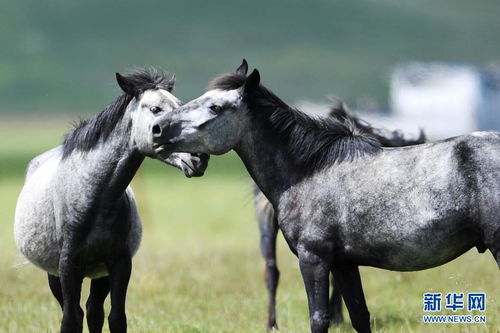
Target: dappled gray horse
342 200
76 216
268 221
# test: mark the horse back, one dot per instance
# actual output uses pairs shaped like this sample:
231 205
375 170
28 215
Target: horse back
35 163
35 231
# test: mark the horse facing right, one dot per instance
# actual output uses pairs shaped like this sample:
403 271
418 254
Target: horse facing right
76 216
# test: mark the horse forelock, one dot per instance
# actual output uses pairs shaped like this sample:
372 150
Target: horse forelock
151 78
227 81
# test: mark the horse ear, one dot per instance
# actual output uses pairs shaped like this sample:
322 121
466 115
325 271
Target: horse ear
170 84
127 86
243 68
253 81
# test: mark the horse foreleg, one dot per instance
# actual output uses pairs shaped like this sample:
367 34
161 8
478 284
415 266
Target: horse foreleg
315 272
55 287
99 289
349 281
336 316
119 275
71 277
268 227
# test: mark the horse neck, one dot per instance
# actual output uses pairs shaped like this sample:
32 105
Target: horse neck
127 159
267 163
112 164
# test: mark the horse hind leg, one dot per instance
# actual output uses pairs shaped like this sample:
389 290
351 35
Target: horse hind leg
349 281
490 239
268 226
336 316
99 289
494 246
55 288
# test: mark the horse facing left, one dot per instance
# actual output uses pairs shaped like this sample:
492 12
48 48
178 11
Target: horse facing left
76 216
342 200
268 221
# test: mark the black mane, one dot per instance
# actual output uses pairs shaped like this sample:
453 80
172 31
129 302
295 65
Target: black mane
87 133
311 143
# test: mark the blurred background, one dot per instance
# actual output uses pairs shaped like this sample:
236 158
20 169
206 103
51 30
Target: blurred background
399 63
60 56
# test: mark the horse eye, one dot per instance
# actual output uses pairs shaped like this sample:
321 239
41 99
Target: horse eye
216 108
155 109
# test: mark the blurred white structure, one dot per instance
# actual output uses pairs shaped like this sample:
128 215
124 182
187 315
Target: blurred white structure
441 98
444 99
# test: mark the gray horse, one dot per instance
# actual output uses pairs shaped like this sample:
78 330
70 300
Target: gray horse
76 216
343 200
268 221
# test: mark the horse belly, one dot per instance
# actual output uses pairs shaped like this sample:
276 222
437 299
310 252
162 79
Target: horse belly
100 243
35 231
135 235
413 252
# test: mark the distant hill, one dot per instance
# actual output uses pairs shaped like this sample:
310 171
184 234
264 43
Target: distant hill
61 55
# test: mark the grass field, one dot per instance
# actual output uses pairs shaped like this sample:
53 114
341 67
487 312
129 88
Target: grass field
199 267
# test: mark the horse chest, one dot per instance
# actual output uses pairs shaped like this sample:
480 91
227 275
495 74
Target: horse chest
303 225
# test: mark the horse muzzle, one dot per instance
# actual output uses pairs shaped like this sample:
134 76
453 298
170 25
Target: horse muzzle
196 165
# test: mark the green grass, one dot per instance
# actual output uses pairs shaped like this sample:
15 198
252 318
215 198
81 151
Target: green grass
199 267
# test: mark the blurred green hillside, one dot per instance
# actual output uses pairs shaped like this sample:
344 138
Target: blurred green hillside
60 55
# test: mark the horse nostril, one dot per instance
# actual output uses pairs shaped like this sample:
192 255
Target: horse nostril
156 131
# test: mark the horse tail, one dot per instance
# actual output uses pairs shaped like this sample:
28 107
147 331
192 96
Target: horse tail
20 261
